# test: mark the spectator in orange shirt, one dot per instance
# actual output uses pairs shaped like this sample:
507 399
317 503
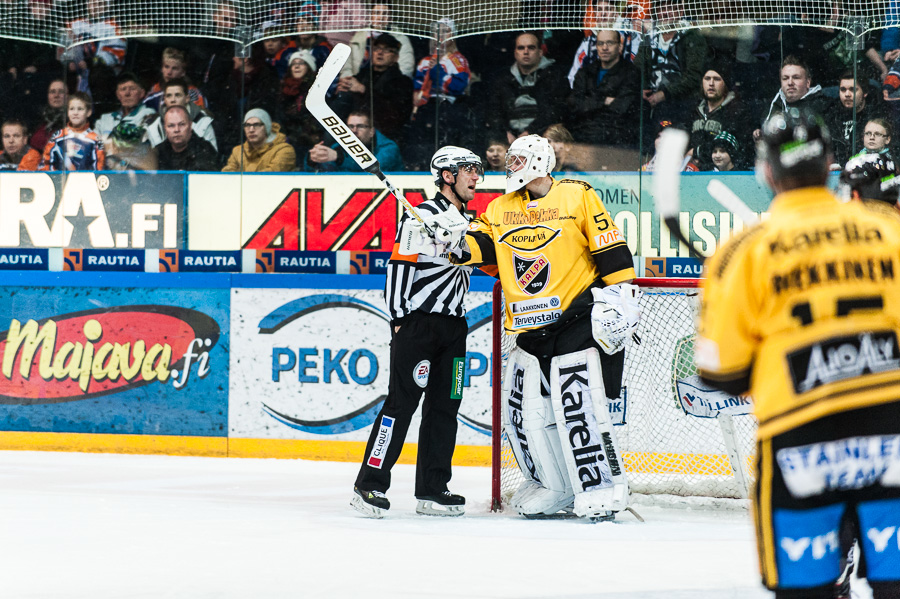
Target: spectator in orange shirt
17 154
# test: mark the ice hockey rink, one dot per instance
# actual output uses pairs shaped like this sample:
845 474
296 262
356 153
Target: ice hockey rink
76 525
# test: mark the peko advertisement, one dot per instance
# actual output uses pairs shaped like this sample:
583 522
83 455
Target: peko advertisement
314 364
114 360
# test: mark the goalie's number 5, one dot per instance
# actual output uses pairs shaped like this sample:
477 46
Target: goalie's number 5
844 306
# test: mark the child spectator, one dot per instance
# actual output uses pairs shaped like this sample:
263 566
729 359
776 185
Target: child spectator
76 147
877 138
561 141
495 154
724 152
17 154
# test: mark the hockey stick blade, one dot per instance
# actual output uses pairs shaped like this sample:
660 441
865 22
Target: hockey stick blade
731 202
356 149
667 183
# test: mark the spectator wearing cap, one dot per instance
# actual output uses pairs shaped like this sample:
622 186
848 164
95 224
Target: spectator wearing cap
307 22
847 116
17 154
266 148
719 110
604 104
362 43
724 152
301 128
324 158
383 89
182 150
278 49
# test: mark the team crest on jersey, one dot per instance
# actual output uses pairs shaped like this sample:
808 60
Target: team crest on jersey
529 239
532 274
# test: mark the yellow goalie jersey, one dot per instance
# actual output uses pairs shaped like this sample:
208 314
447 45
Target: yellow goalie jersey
548 250
803 309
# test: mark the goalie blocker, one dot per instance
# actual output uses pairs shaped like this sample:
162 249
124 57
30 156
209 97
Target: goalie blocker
564 443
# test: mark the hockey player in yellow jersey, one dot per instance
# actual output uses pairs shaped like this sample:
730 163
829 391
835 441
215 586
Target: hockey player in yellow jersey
565 270
803 311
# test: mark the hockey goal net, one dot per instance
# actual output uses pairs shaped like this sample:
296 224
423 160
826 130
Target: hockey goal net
667 451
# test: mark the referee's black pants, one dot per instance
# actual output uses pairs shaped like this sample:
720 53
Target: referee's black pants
422 337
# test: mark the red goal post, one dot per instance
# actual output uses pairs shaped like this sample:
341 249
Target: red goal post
667 452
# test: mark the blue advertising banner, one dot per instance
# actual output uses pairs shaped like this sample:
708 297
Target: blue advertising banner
114 360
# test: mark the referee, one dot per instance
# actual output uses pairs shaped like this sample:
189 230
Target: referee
424 295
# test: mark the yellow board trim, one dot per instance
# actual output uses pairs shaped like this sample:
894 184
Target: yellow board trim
332 451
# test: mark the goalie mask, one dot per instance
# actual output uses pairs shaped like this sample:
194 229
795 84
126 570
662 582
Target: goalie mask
872 176
528 158
453 158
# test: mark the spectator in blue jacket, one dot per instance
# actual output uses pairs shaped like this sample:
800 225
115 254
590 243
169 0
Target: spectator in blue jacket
324 158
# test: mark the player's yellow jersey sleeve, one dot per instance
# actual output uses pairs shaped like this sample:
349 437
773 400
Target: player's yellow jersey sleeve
803 310
606 242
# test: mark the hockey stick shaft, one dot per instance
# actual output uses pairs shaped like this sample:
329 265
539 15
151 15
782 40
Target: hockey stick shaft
349 142
667 183
731 202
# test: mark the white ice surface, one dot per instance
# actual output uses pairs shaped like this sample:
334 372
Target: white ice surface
123 526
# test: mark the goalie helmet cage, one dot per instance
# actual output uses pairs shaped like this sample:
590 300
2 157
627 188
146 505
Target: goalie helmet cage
670 457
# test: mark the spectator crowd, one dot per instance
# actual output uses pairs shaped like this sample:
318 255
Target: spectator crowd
601 94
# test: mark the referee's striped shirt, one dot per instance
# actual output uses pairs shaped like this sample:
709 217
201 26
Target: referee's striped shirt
422 282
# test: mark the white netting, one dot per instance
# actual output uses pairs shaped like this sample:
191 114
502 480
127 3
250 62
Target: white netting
665 450
65 22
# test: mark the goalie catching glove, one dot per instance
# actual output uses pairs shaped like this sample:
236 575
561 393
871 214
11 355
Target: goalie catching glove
449 228
615 315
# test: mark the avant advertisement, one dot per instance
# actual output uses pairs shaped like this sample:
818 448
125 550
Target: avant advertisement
91 210
314 364
354 212
114 360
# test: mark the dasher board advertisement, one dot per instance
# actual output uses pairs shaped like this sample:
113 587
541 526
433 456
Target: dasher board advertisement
314 364
91 210
114 360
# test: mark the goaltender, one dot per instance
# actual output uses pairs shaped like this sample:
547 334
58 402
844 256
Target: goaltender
803 311
564 268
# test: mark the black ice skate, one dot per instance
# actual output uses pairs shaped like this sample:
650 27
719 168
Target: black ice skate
373 504
444 503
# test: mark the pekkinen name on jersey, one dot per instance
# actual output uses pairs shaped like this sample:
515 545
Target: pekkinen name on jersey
842 358
589 447
514 406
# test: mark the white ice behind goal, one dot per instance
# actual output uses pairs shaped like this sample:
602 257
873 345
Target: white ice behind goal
668 454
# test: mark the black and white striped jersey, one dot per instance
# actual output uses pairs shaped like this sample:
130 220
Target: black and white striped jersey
422 282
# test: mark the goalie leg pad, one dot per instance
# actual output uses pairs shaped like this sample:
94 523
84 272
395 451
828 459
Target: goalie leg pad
531 430
588 441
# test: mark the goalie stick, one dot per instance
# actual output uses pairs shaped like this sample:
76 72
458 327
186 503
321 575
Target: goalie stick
315 102
673 144
666 188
